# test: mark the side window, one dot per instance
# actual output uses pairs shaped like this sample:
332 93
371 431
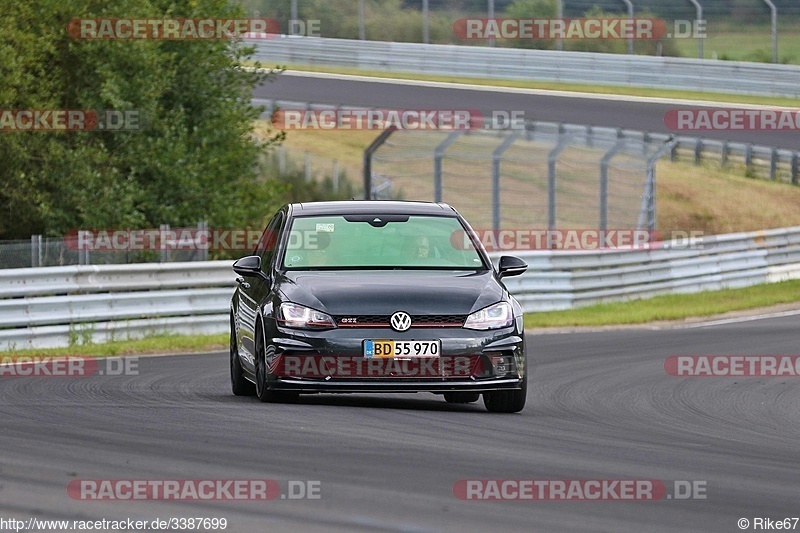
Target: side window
269 241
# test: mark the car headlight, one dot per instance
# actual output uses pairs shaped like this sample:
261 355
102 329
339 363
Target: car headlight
495 316
297 316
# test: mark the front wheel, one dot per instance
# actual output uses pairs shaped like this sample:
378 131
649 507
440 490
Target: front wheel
506 401
262 390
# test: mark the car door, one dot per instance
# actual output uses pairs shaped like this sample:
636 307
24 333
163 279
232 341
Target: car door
254 290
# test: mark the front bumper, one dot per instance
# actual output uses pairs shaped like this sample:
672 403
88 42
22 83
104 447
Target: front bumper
333 361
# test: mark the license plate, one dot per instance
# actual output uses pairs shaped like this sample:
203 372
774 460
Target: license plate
387 348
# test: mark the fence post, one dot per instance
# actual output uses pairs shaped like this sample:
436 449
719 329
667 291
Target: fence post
34 256
630 18
560 15
202 229
604 163
647 212
496 162
362 28
335 175
438 156
371 149
699 11
563 141
774 16
425 22
164 243
490 15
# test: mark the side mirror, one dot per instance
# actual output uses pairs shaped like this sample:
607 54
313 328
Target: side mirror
249 267
511 266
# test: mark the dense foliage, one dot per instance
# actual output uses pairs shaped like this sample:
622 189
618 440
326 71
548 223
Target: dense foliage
195 156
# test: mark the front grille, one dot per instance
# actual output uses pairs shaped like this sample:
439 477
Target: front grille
417 321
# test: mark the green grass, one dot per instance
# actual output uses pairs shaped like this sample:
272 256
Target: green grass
753 43
154 344
670 307
553 86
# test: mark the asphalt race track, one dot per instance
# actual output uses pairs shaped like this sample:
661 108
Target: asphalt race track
617 112
600 406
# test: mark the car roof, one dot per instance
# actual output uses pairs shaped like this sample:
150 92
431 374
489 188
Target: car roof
386 207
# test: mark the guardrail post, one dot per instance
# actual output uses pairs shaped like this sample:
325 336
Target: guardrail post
794 168
438 157
604 163
496 162
748 155
371 149
724 155
673 152
530 130
563 141
698 150
773 164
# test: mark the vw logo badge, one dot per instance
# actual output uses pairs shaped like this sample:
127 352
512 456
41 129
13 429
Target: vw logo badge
400 321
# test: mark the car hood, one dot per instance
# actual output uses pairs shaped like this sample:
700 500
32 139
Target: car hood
373 292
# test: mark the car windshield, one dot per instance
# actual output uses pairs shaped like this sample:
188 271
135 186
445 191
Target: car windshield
379 241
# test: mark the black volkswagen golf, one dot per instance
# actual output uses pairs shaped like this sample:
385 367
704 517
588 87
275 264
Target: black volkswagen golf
376 297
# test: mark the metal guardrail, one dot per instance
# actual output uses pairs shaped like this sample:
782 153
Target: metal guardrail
706 75
566 279
46 307
58 306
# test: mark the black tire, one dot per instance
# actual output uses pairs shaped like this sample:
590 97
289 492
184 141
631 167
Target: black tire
461 397
262 390
239 385
506 401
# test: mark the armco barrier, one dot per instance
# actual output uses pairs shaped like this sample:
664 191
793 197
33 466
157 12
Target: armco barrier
46 307
541 65
50 307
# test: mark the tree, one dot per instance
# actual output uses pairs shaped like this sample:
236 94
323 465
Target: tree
195 156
